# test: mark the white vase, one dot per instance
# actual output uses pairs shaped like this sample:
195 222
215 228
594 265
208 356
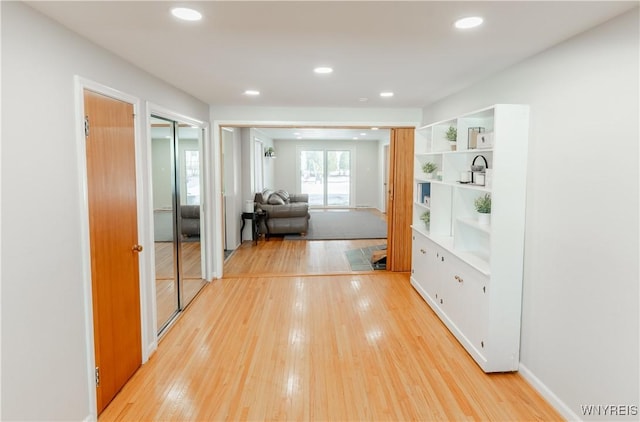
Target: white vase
484 218
428 176
249 205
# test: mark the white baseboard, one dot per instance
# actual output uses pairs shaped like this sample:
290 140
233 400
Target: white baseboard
549 395
149 351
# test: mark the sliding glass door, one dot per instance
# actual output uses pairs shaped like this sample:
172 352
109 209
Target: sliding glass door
338 178
312 176
176 177
326 176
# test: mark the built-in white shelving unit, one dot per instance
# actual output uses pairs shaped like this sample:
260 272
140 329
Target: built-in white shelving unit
470 273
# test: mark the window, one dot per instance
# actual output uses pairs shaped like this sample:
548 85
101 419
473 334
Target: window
325 175
192 176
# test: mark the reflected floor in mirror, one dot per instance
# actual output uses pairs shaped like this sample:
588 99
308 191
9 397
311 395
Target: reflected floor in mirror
166 297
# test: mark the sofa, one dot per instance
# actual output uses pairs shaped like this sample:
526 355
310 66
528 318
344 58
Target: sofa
286 213
190 221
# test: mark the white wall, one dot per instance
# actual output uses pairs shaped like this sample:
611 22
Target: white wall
246 168
269 164
364 164
45 362
383 172
232 180
580 320
247 171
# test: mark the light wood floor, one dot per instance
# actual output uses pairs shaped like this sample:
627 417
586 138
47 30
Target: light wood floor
345 347
277 257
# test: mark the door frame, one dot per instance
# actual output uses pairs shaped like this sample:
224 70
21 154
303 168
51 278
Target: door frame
80 85
216 186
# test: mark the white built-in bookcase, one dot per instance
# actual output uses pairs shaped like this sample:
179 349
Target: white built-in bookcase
471 273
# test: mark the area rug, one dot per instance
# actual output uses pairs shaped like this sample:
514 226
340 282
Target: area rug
360 259
342 225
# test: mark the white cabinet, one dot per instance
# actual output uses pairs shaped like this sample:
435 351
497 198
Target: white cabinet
424 266
470 272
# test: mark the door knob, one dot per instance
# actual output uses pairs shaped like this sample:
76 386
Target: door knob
137 248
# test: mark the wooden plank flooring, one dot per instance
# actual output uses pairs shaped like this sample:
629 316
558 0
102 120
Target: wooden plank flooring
277 257
341 347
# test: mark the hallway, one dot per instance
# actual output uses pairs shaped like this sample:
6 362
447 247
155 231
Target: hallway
340 347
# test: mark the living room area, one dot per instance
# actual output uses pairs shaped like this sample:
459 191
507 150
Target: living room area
330 186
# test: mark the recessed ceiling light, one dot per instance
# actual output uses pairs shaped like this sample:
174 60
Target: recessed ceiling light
251 92
470 22
299 137
355 138
323 70
296 133
374 128
362 134
363 99
186 14
386 94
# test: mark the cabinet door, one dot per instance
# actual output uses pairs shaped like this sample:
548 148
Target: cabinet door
441 288
418 258
431 270
474 299
423 269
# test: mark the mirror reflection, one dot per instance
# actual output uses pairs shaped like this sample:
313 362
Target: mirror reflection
176 179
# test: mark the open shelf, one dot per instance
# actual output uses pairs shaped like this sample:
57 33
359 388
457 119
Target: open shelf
477 259
470 222
471 186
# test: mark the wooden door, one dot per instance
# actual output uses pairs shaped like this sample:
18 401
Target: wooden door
111 180
400 207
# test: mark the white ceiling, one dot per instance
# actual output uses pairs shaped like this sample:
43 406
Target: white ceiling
408 47
323 134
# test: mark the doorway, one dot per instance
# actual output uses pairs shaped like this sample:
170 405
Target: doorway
176 163
389 191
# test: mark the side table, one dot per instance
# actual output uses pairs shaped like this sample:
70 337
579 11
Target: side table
256 218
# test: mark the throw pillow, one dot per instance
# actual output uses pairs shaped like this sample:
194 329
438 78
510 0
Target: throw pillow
284 195
266 194
275 199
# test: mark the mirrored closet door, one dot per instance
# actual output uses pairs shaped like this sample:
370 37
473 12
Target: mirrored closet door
176 179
